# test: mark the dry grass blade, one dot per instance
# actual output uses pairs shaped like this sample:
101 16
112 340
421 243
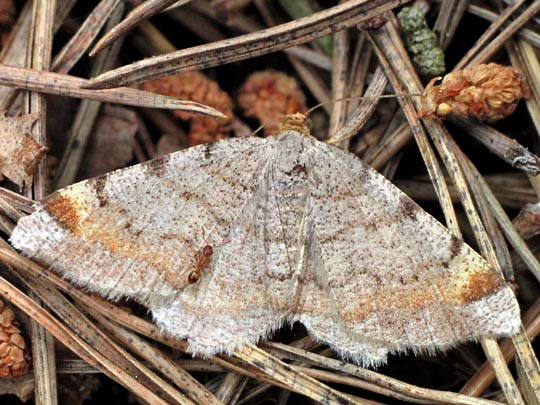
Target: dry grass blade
338 378
9 210
524 33
79 43
293 379
340 71
433 168
140 13
84 119
90 333
508 196
489 33
489 50
312 80
70 339
229 386
525 61
38 57
448 20
262 369
358 118
18 201
247 46
485 375
14 53
69 86
531 67
167 367
390 45
512 235
506 148
378 379
381 153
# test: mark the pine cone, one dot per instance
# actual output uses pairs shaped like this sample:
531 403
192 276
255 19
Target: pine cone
13 353
195 86
270 95
488 92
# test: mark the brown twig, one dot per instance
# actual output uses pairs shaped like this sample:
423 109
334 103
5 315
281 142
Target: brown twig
140 13
69 86
87 113
14 53
489 50
83 38
489 33
506 148
39 57
390 44
259 43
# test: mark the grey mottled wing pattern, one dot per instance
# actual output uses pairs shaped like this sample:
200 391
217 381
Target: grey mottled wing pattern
135 232
247 295
391 277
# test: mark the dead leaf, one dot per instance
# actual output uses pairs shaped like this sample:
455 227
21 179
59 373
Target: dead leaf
19 152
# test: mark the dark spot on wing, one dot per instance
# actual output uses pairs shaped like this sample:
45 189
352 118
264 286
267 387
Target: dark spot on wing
455 246
278 276
156 167
208 150
409 207
297 170
98 186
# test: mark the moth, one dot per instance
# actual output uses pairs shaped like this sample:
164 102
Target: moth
301 231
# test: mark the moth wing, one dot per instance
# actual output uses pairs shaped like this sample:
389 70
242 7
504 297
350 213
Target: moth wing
388 277
135 232
245 292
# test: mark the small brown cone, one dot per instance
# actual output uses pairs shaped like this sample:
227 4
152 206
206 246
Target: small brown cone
195 86
488 92
269 96
13 352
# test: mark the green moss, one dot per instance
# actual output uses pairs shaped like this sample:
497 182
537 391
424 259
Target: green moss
303 8
421 42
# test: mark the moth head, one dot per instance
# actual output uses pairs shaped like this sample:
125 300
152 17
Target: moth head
295 122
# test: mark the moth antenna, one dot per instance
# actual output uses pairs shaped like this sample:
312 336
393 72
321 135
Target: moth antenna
261 127
333 140
319 105
360 98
